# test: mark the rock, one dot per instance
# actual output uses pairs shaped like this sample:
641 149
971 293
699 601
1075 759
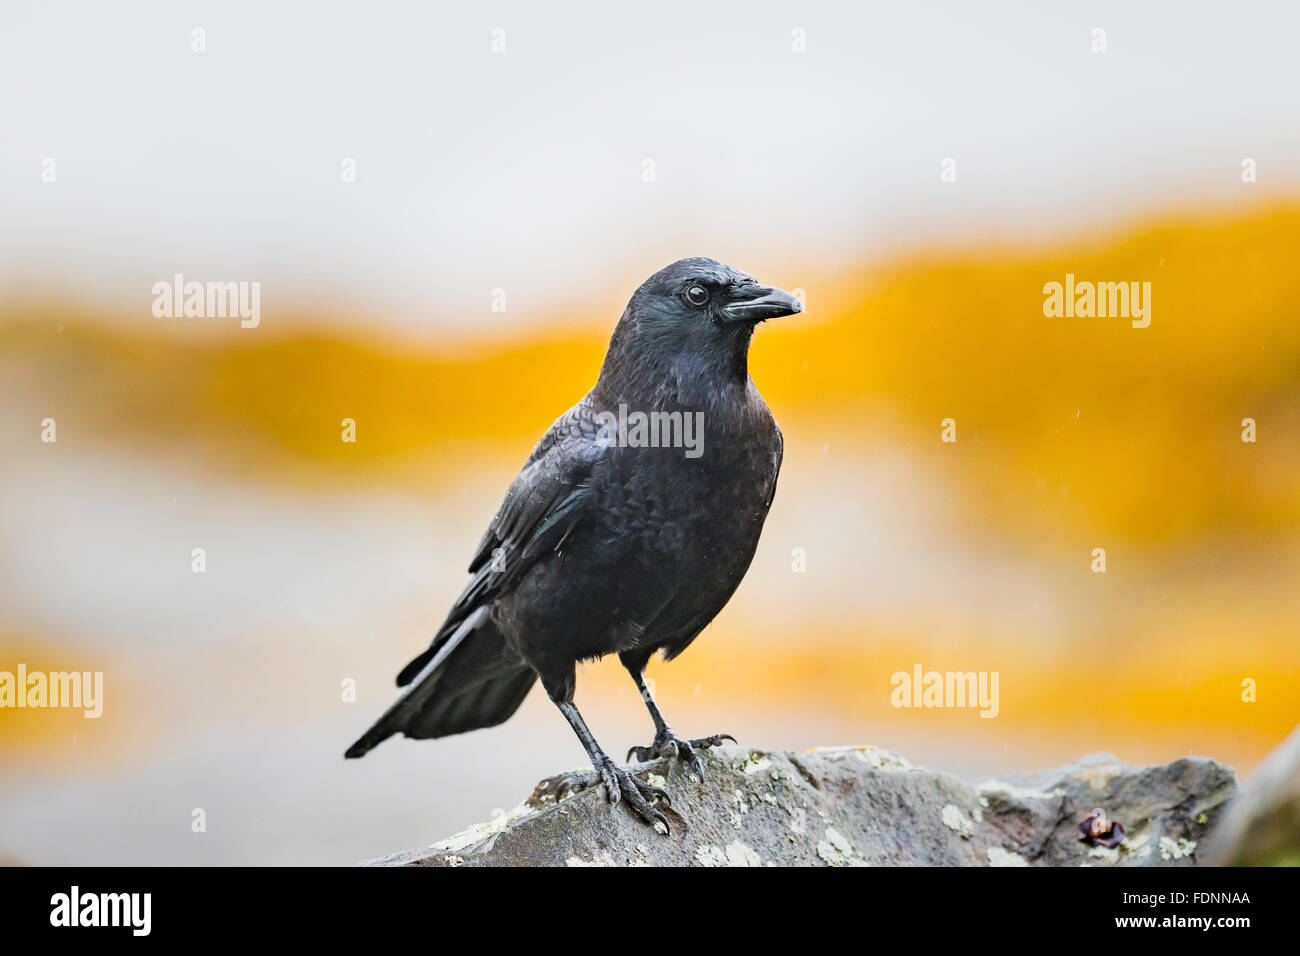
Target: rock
856 806
1262 824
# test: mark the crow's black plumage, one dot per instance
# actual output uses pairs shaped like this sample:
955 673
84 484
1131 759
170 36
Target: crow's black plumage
607 544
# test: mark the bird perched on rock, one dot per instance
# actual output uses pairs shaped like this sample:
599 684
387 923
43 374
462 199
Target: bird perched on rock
627 530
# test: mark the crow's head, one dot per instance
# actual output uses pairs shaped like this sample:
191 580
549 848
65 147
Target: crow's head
691 321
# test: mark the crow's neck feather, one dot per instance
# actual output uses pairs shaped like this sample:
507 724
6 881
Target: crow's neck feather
658 368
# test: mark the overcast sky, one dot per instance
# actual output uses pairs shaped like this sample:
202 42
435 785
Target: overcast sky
524 169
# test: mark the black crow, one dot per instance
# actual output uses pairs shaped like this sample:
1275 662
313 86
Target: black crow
626 531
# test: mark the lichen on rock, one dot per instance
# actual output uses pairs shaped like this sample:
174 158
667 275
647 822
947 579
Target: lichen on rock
854 806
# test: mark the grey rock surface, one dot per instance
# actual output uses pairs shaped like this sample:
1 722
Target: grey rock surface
856 806
1262 824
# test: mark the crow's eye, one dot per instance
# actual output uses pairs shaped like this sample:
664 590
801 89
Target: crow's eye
697 295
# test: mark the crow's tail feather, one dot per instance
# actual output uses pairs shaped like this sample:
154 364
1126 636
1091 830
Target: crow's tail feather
483 705
470 680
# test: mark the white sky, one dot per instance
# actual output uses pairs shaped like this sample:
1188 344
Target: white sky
523 170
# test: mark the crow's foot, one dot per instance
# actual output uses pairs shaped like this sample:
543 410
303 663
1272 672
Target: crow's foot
670 745
621 785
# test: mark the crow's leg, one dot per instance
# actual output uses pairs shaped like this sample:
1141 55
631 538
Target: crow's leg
666 743
619 783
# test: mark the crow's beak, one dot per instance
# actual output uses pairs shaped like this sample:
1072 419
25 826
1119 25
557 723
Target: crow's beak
755 303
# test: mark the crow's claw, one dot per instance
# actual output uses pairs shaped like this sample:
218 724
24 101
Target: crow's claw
639 795
576 782
619 784
644 754
670 745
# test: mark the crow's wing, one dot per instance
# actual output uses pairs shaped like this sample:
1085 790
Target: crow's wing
777 455
545 502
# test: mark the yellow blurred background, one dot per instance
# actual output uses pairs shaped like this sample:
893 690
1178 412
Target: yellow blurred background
332 562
